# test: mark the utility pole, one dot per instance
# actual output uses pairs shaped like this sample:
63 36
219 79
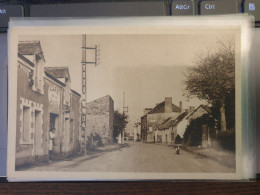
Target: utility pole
84 64
125 111
125 108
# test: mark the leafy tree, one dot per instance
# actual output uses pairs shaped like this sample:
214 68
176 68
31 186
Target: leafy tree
120 122
213 78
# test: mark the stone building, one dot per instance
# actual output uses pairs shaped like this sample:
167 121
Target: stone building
100 117
156 116
44 101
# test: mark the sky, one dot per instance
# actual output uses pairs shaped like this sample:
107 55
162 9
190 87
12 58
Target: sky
147 68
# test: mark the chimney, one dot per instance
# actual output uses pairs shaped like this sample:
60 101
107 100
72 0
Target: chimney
168 105
181 106
192 108
146 110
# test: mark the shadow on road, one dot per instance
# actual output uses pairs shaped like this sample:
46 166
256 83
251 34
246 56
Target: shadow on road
97 153
222 157
77 159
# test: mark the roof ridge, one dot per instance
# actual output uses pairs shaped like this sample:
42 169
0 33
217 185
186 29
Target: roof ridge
100 98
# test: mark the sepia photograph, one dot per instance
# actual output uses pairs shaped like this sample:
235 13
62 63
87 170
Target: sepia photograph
131 103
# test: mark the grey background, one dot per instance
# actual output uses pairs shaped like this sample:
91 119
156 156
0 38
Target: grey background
11 11
100 9
256 64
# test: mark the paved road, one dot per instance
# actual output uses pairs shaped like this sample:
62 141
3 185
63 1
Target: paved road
139 157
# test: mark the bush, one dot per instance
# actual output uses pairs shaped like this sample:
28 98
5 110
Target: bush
227 139
94 141
98 140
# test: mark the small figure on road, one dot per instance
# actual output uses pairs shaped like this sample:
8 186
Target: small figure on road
177 144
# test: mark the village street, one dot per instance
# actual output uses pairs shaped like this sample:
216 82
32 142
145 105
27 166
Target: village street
137 157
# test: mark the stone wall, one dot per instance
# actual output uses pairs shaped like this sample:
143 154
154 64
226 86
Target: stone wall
99 121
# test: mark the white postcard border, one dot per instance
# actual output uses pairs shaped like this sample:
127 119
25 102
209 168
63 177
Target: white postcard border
153 25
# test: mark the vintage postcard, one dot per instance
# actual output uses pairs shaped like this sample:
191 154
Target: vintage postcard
126 98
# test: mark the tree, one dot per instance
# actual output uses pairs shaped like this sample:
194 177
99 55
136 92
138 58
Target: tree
229 110
213 77
120 122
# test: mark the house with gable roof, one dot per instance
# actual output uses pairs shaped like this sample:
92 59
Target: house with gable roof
45 100
152 118
198 112
62 74
69 111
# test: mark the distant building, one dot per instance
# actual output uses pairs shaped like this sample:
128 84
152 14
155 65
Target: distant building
100 117
172 127
137 131
44 101
155 117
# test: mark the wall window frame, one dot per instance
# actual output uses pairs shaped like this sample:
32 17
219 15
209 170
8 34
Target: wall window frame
27 120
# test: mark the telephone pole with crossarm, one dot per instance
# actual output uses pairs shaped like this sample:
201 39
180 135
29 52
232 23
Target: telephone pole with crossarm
84 64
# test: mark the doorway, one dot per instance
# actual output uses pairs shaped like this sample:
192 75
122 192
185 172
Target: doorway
54 144
54 121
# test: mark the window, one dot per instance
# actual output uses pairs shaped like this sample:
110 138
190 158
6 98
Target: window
30 121
36 75
26 124
53 121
